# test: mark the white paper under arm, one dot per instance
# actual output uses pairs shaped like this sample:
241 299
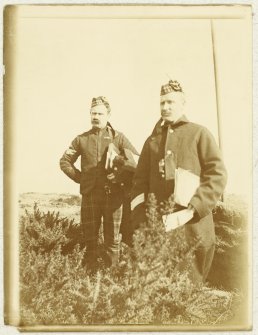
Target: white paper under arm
186 184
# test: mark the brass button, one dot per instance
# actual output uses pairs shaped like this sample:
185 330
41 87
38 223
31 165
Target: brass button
115 168
163 176
171 131
169 152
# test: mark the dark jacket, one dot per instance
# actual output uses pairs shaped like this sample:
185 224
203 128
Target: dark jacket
186 145
92 147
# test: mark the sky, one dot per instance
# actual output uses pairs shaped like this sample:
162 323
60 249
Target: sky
62 57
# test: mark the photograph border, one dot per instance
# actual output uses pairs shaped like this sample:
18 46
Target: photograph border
139 328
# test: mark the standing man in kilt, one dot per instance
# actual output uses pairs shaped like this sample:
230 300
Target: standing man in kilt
177 144
101 181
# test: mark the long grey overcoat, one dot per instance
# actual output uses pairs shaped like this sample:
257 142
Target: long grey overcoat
192 147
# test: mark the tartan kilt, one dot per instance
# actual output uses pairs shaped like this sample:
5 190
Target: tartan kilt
127 228
97 205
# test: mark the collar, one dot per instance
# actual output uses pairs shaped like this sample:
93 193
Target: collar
111 131
160 124
96 130
182 119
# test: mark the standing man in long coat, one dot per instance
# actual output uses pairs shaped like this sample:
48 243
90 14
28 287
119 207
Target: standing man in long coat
177 143
102 184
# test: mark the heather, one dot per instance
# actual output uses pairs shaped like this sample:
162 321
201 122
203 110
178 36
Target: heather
150 285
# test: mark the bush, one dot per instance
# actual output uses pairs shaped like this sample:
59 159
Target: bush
150 285
229 268
41 232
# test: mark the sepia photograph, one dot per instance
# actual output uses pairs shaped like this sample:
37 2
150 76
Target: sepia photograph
128 167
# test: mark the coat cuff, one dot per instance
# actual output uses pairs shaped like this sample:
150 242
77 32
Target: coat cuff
74 174
201 209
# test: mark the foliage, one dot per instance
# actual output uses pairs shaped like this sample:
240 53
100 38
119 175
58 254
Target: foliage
150 285
229 269
41 232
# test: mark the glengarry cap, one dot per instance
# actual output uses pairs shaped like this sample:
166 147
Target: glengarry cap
101 100
172 86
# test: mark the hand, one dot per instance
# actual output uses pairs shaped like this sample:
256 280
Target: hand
177 219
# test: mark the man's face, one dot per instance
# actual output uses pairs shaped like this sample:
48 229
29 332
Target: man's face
171 106
99 116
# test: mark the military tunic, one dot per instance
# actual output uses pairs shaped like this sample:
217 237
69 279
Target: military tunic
100 199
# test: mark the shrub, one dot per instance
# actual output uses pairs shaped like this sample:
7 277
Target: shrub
229 268
150 285
41 232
